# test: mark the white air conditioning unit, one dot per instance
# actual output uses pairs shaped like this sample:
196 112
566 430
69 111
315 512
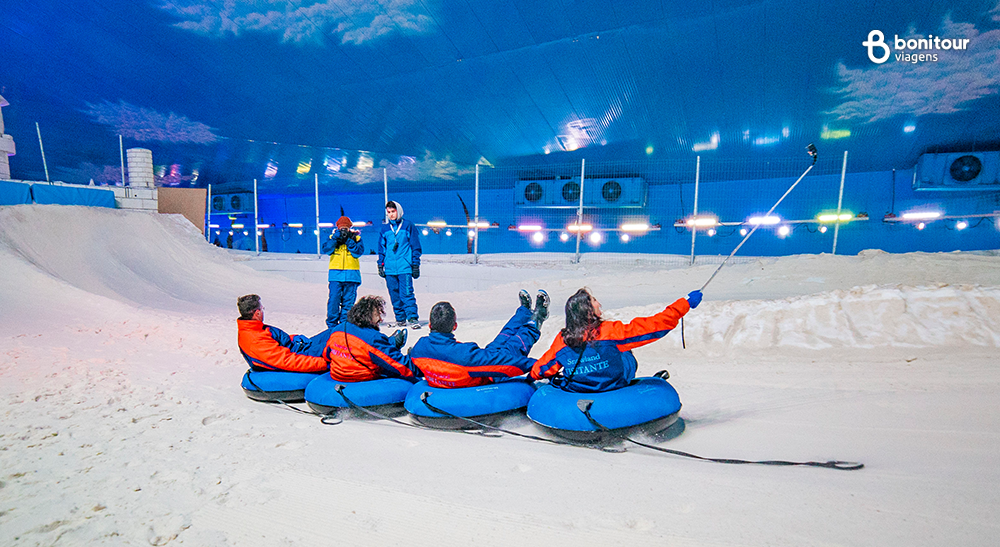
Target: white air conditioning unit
233 203
958 171
614 193
564 193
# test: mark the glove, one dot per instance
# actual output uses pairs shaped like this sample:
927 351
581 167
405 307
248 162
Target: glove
416 271
381 270
694 298
399 338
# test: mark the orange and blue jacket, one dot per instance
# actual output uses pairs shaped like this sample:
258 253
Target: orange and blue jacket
606 361
270 348
359 354
448 363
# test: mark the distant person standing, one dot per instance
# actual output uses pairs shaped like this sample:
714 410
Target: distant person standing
399 263
344 247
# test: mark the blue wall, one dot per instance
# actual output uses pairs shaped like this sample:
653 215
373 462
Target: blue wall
876 194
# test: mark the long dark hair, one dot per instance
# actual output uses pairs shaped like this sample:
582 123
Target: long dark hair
582 320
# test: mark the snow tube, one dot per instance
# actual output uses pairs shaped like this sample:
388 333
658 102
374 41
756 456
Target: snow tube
649 404
479 403
322 396
275 385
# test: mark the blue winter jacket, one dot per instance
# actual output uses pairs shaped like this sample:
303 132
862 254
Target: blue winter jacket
399 245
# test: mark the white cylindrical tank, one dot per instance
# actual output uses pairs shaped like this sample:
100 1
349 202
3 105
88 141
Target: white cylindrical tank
140 167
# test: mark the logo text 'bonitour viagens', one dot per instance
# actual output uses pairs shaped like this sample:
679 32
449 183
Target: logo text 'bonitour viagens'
913 50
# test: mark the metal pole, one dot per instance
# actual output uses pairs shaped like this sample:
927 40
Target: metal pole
208 214
840 202
256 234
385 190
579 212
316 195
694 215
475 243
121 153
42 148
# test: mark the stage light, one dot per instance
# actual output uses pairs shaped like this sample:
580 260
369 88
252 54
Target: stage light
300 232
920 226
216 232
213 225
316 232
834 217
246 233
437 224
259 233
822 229
766 221
784 231
472 234
359 224
295 225
743 231
447 232
639 227
482 224
579 228
237 226
538 237
529 228
263 226
921 215
625 238
326 225
595 237
711 232
424 231
564 237
702 222
961 225
230 232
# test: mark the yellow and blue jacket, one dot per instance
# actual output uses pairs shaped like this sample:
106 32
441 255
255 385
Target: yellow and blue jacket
344 265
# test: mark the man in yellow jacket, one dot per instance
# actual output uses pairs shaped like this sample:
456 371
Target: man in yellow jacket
344 247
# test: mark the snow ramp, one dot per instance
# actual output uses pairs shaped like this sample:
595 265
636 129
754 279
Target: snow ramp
143 259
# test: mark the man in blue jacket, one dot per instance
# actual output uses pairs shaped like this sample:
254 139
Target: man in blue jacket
448 363
399 263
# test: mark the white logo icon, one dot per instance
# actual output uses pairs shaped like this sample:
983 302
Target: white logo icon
876 39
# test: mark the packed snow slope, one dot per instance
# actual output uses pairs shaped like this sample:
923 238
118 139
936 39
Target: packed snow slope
124 424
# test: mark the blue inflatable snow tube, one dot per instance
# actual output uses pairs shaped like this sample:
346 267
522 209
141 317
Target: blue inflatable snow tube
275 385
644 401
467 402
322 396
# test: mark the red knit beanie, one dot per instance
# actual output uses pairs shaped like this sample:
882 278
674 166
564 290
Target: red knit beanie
344 222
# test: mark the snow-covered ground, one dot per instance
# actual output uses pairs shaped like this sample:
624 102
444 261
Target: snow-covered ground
123 422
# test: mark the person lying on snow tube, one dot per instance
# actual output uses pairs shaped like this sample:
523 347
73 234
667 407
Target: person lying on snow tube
592 355
270 348
448 363
358 352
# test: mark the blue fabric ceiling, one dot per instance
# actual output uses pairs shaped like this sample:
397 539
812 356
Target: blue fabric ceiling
226 90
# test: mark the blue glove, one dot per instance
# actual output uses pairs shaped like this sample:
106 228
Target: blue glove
694 298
